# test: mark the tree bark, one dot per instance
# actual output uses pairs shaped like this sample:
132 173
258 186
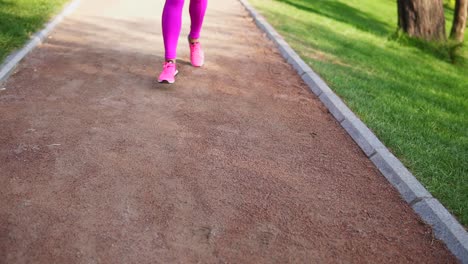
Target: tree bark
422 18
459 20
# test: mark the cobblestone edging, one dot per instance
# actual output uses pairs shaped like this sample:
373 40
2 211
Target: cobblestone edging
444 225
10 63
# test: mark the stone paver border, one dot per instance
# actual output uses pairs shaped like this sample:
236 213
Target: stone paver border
445 226
10 63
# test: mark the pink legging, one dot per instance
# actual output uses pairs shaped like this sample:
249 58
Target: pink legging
172 22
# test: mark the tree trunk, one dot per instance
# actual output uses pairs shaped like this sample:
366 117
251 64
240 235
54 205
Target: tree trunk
422 18
459 20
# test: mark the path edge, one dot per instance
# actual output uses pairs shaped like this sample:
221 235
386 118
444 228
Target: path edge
11 61
445 225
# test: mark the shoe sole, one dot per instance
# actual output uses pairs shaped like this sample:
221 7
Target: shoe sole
166 81
199 65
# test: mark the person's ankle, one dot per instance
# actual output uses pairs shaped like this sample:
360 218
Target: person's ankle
192 40
171 60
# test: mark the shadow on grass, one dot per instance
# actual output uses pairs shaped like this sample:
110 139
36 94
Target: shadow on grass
341 12
344 13
449 51
17 24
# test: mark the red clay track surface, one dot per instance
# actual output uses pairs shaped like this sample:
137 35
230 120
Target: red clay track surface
237 162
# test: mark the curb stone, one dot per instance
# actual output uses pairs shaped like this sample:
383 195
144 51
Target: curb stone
445 226
409 187
431 211
10 63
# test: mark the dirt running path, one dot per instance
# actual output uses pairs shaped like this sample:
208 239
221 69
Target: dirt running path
235 163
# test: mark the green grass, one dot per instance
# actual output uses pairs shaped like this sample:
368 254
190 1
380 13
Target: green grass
21 18
408 92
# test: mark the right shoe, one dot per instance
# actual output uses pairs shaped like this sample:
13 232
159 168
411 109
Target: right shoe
168 73
197 56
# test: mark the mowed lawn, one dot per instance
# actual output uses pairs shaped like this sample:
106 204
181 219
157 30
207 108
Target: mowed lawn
21 18
413 98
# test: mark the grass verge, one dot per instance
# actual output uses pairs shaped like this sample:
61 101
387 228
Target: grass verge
409 93
21 18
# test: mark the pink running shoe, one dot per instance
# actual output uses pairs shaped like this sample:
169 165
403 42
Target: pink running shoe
197 57
168 73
